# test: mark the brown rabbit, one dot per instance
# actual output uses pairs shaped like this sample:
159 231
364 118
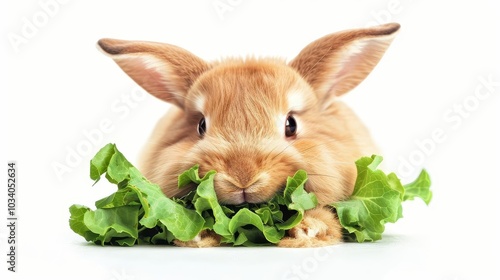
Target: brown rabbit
257 121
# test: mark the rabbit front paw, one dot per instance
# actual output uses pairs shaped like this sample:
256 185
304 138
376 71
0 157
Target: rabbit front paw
204 239
319 227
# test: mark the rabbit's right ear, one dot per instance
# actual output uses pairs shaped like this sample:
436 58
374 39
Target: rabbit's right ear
336 63
163 70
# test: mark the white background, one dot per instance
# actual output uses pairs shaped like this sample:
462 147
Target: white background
56 87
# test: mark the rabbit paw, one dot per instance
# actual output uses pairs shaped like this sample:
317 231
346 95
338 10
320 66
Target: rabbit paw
204 239
319 227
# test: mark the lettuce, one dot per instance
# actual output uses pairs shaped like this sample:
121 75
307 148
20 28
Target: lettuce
139 213
377 200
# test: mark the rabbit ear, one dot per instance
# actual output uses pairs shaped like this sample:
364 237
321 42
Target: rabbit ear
163 70
338 62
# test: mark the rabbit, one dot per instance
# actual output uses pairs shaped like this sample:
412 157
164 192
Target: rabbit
258 120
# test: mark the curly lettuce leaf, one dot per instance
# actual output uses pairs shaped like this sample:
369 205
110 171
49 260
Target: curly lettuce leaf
77 224
99 164
250 226
376 200
139 213
183 223
136 197
419 188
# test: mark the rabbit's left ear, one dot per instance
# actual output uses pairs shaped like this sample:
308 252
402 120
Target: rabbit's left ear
165 71
336 63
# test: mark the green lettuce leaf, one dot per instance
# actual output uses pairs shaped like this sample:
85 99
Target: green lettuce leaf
419 188
376 200
116 219
250 225
139 213
77 224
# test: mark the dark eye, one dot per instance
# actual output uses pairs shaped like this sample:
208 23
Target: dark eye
202 127
290 126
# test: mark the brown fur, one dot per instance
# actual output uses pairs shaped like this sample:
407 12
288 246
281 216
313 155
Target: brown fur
245 103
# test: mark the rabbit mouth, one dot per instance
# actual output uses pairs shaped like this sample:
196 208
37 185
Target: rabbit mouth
242 196
239 197
250 196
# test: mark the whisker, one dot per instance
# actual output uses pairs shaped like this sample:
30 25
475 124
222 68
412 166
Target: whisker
287 146
272 150
320 144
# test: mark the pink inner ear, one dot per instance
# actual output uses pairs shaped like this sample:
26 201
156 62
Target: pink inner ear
341 81
352 66
153 75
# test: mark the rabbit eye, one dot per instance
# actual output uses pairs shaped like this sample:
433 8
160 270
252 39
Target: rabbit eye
290 127
202 127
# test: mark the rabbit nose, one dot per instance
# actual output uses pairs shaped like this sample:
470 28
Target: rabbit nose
245 182
242 179
243 172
